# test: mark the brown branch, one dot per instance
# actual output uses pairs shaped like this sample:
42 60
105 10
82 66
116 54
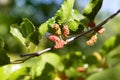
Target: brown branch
68 40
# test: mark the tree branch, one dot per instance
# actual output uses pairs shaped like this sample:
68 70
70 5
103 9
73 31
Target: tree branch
68 40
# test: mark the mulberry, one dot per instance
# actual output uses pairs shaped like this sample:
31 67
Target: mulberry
66 31
92 40
59 43
91 24
101 30
55 26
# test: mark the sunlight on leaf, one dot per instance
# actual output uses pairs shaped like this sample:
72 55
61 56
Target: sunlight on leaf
17 34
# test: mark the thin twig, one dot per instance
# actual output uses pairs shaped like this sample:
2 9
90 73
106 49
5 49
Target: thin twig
68 40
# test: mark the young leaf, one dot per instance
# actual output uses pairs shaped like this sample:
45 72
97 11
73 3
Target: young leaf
26 27
64 13
17 34
35 37
76 15
73 25
45 26
4 59
92 9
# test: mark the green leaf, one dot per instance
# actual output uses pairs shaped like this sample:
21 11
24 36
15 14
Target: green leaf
5 71
1 42
47 73
17 34
47 58
54 60
92 9
4 59
73 25
37 69
14 72
110 45
109 74
35 37
64 13
26 27
21 74
76 22
76 15
45 26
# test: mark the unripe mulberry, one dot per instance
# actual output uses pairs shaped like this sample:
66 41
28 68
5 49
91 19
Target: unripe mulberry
92 40
55 26
57 29
101 30
66 31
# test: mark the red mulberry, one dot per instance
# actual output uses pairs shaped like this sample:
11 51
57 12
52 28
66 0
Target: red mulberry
58 42
66 31
91 24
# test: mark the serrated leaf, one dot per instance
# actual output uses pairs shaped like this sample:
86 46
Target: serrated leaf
110 45
1 42
92 9
64 13
26 27
109 74
17 34
4 59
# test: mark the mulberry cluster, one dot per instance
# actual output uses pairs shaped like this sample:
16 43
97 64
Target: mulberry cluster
57 37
